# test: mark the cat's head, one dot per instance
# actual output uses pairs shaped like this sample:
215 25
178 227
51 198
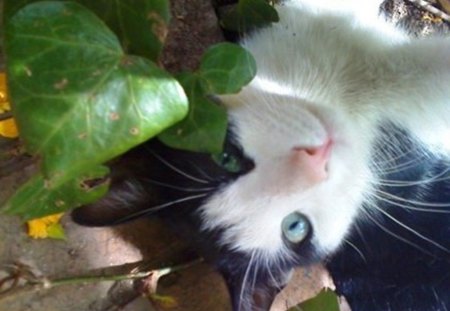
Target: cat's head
309 177
284 192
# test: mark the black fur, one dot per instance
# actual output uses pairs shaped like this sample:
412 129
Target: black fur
386 267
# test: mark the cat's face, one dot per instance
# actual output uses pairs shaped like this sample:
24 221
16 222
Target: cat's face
286 194
309 177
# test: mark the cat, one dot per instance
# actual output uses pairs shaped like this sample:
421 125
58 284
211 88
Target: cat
337 152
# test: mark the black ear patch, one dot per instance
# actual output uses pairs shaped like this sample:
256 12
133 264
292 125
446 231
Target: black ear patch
127 198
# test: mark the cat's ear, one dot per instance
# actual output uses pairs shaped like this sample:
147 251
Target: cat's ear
129 197
125 200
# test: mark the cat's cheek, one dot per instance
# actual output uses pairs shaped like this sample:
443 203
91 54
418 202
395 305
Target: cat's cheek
331 230
337 204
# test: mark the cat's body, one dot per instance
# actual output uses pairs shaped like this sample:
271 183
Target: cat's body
342 142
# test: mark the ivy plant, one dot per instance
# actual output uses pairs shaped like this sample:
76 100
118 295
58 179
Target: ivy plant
249 14
326 300
85 87
224 68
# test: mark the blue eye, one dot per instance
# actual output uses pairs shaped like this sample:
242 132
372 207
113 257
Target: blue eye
295 227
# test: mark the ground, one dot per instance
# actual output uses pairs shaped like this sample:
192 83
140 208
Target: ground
93 251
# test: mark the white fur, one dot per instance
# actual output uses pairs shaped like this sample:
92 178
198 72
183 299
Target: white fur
327 69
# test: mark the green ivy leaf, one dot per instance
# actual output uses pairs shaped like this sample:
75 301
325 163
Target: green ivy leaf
248 14
326 300
10 7
225 68
39 197
78 99
141 25
204 128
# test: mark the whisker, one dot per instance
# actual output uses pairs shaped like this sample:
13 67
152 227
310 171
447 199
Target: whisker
360 253
274 280
395 157
202 172
366 244
400 183
176 169
255 273
395 168
419 209
158 183
416 233
244 280
396 235
393 151
161 206
439 300
399 168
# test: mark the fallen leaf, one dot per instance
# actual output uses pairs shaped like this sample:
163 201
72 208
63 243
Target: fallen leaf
165 302
8 128
46 227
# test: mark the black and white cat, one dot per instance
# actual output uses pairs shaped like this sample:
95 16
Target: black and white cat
338 151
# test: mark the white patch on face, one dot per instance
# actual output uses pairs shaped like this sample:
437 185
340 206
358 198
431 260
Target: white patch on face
251 209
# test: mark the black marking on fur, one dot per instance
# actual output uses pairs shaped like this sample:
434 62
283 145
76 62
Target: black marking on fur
398 269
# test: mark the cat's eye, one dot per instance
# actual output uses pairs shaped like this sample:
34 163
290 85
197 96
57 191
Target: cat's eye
295 227
228 161
232 160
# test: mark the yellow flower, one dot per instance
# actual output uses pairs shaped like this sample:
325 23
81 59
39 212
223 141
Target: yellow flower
46 227
8 127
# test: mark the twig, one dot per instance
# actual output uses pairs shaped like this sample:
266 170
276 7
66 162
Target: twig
94 278
428 7
36 284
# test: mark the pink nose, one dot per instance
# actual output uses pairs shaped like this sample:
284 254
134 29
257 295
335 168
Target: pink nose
313 161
